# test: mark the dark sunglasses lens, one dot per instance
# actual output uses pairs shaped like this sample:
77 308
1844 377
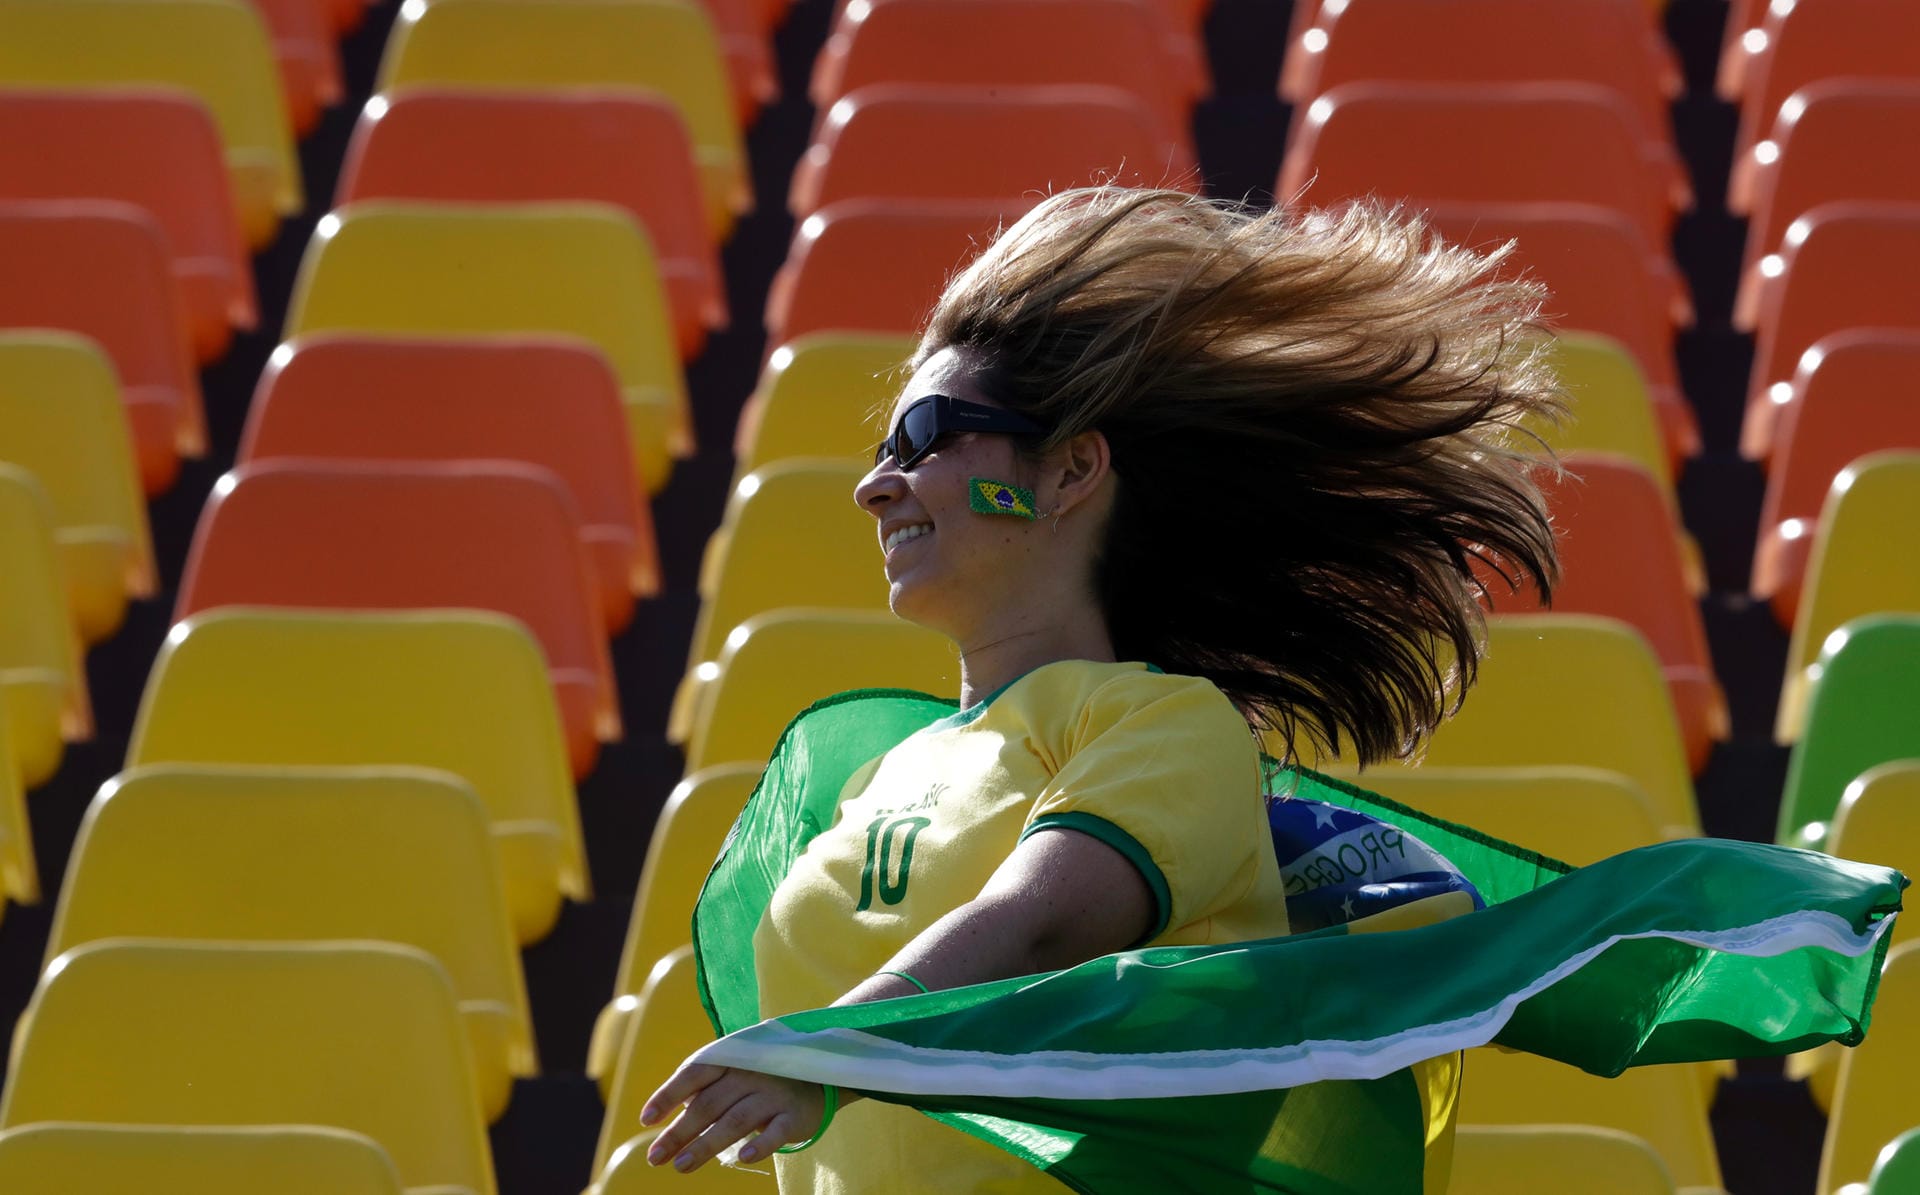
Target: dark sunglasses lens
918 428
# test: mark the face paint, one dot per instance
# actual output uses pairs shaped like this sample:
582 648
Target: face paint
998 498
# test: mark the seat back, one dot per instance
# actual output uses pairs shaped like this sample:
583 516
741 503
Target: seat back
1568 1159
1608 409
1879 821
667 1024
823 395
19 873
307 56
215 49
462 691
1873 1103
1865 710
542 401
56 1159
1898 1167
43 682
364 1037
627 150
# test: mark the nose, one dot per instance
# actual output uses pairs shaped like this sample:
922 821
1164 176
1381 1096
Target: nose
883 484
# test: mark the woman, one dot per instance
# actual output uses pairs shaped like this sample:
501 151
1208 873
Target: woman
1169 473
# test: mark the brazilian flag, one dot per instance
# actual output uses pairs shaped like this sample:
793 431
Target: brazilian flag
1321 1063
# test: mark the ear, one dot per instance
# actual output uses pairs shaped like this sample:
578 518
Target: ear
1083 464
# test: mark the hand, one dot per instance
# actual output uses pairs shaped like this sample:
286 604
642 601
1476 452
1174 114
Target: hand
724 1105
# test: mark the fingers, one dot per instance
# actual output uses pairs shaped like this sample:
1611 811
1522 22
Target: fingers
781 1130
685 1083
752 1112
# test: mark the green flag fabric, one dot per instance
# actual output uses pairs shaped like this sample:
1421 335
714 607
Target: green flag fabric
1296 1064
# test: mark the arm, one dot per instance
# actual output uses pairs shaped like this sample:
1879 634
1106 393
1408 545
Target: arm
1060 899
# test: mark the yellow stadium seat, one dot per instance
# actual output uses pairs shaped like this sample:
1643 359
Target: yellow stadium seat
462 691
216 49
1608 409
361 1036
1563 1159
825 394
777 664
60 1159
1858 567
43 685
577 269
19 874
60 419
1663 1105
686 840
662 46
390 855
792 537
1873 1100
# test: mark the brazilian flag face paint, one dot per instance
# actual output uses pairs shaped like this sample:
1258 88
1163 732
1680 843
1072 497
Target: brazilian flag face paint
998 498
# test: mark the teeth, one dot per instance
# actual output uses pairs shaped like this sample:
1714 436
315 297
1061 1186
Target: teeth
906 533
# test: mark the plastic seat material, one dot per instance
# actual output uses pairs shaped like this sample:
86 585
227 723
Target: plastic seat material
1873 1102
1897 1169
464 692
776 664
614 147
43 681
1451 142
752 75
61 420
488 535
571 269
57 1159
307 56
1813 156
821 395
363 1036
322 854
1608 409
344 16
932 141
1568 1159
547 402
1843 265
100 269
686 840
1857 568
1864 711
218 50
159 151
1850 396
877 265
660 46
1805 43
19 872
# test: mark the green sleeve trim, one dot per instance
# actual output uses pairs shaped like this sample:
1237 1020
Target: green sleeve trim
1104 830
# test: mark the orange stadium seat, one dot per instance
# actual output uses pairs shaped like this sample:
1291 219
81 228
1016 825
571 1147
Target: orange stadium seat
344 16
624 149
547 402
1854 393
100 269
874 265
159 151
491 536
925 141
308 58
1843 265
1804 43
1741 38
1831 141
1455 141
749 55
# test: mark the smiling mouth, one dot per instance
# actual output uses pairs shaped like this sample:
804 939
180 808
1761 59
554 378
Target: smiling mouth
906 533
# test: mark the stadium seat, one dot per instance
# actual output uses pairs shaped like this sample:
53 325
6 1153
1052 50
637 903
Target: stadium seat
322 854
686 839
1737 46
1864 711
877 265
487 535
1540 683
1873 1102
61 420
1804 43
1842 266
1564 1159
1665 1106
821 395
307 57
1813 156
1453 142
1898 1168
59 1159
215 49
627 150
1858 566
776 664
360 1036
345 15
1608 409
43 681
157 150
461 691
752 78
658 45
100 269
928 141
1851 395
547 402
580 270
19 873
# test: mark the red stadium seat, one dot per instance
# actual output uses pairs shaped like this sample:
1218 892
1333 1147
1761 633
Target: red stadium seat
488 536
307 55
744 45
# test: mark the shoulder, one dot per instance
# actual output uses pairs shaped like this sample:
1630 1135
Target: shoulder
1077 703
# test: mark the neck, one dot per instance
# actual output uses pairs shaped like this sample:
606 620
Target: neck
992 660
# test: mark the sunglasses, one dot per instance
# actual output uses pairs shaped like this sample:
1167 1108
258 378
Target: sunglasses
926 420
